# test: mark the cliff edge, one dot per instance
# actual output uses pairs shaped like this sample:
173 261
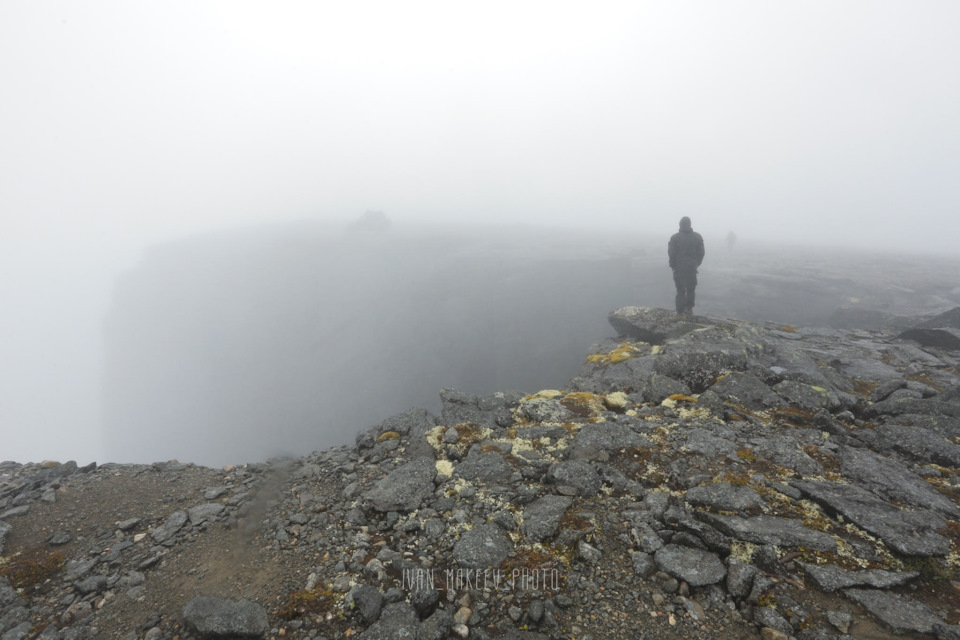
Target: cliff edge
700 478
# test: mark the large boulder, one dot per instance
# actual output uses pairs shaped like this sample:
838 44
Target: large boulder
694 566
542 516
650 324
404 488
485 545
221 618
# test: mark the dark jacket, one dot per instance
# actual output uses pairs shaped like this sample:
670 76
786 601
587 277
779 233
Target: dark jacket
685 250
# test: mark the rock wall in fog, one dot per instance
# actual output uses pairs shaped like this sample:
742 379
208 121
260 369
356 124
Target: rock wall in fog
281 341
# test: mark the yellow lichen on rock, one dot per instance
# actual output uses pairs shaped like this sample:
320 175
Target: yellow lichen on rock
388 435
742 551
623 352
545 394
616 400
444 468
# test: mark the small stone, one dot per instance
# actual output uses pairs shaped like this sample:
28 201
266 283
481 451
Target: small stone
840 621
589 553
461 630
769 633
60 538
126 525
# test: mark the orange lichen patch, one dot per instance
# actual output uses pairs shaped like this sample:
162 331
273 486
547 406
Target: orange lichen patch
679 397
571 520
794 416
788 328
571 428
388 435
924 378
952 532
829 462
582 404
944 487
733 478
468 433
623 352
743 412
31 568
551 562
318 601
864 387
746 454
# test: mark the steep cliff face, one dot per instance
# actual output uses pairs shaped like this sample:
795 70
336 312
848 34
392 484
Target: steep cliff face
238 348
701 478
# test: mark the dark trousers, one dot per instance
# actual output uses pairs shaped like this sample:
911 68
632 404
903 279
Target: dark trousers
686 282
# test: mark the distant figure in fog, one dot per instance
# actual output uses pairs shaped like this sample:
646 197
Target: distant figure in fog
685 251
731 240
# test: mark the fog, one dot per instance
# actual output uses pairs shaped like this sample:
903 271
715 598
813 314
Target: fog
127 126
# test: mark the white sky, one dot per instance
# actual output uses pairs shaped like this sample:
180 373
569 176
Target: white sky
126 122
811 118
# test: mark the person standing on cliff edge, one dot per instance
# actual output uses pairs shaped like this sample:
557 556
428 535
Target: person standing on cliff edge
685 251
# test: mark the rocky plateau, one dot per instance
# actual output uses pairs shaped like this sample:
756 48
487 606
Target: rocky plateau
700 478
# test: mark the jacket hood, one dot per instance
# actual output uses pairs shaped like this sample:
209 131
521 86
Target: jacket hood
685 224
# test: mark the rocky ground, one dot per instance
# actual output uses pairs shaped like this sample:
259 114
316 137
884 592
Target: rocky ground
701 478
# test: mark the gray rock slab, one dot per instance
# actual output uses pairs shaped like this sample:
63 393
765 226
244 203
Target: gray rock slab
830 577
946 426
464 408
490 467
796 365
949 319
221 618
397 621
707 444
579 474
650 324
926 406
767 617
806 395
170 526
606 436
542 516
891 480
770 530
918 444
942 338
740 578
694 566
745 389
786 452
911 533
4 530
485 545
659 387
698 361
901 614
22 510
204 512
724 496
404 488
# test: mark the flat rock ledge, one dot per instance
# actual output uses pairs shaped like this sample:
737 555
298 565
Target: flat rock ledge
212 617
